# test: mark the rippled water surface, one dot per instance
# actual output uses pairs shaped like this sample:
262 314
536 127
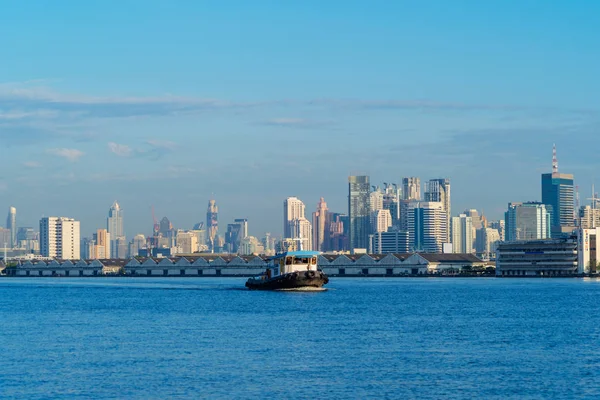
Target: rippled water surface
363 338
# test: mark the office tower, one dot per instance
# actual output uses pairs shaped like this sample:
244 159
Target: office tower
381 221
500 226
212 225
102 245
438 190
411 188
337 228
187 242
122 248
293 208
320 231
165 227
251 245
427 226
114 225
28 239
527 221
462 234
358 211
487 241
137 243
235 233
589 217
11 224
391 201
59 238
376 199
5 235
557 195
389 242
302 233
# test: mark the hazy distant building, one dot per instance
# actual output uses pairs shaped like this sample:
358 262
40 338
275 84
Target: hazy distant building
500 226
376 200
5 235
557 195
102 245
338 236
381 221
11 225
462 234
391 202
589 217
302 232
60 238
427 226
212 225
293 208
358 211
251 245
187 242
411 188
236 232
487 241
438 190
114 226
137 243
320 231
527 221
28 239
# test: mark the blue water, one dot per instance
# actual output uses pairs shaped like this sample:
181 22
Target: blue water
363 338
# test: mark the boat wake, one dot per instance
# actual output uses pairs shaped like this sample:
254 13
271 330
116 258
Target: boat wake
303 289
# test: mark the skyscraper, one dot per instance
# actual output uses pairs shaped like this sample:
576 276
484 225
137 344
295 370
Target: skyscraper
438 190
527 221
59 238
114 226
293 208
411 188
212 224
102 248
11 224
427 226
320 228
358 211
557 195
462 234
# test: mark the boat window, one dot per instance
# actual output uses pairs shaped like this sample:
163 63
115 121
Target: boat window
288 261
313 260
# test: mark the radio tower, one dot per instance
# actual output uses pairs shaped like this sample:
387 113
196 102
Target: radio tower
554 160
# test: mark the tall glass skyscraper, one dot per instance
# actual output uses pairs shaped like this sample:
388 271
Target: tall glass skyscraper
557 195
11 224
358 211
114 226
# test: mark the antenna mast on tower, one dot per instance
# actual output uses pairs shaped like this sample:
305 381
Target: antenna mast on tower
554 160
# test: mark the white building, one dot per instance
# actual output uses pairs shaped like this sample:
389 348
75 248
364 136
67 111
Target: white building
187 242
427 226
251 245
462 234
381 220
376 200
114 225
301 229
60 238
587 256
293 208
589 217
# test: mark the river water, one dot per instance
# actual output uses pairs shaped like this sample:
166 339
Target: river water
363 338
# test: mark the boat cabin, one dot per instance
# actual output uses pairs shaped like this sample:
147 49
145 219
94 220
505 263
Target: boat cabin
293 261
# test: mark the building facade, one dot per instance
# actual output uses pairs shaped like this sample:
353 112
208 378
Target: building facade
438 190
549 257
114 226
411 188
358 211
60 238
462 234
527 221
427 226
320 232
11 225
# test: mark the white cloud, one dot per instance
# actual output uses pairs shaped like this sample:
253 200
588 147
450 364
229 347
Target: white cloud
162 144
32 164
70 154
121 150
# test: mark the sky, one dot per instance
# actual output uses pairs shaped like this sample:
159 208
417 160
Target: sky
167 103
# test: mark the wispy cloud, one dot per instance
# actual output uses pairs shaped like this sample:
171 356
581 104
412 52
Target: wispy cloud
32 164
122 150
295 122
162 144
70 154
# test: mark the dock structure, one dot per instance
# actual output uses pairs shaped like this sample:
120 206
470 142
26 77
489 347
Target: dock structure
213 265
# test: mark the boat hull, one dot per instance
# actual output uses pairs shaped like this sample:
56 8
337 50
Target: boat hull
294 280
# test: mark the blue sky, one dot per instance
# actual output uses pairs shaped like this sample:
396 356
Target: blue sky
165 102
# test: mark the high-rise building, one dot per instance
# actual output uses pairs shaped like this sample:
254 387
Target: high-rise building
381 221
60 238
320 231
302 233
376 199
338 232
102 245
251 245
212 224
236 232
462 234
293 208
11 224
114 226
527 221
557 195
187 242
137 243
411 188
391 201
589 217
388 242
358 211
427 226
438 190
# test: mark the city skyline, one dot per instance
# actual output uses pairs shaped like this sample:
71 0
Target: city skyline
141 120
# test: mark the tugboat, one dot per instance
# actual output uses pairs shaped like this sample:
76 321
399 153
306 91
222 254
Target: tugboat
292 270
